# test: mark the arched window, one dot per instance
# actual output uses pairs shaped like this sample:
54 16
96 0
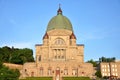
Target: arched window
49 71
59 41
39 58
32 74
41 70
59 54
65 71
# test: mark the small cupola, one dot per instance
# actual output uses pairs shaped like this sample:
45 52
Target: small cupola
72 36
45 36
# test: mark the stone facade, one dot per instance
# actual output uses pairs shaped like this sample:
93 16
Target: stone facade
59 55
110 69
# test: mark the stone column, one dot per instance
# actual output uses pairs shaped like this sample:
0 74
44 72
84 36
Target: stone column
60 53
57 53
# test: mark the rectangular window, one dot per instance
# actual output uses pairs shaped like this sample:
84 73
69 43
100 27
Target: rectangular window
113 69
103 74
55 57
62 57
103 66
41 71
49 71
112 65
74 72
66 72
103 70
113 74
40 58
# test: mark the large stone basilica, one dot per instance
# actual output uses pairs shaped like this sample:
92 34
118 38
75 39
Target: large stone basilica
59 55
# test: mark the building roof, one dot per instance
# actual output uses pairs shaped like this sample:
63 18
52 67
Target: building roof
59 22
45 36
80 45
72 36
38 44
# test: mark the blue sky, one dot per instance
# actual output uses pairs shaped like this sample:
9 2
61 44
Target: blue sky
96 24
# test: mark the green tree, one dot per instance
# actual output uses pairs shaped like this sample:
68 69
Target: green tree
5 53
93 62
104 59
8 74
15 55
98 74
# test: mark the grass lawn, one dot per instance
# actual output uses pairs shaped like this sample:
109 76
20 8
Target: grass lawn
76 78
50 78
37 78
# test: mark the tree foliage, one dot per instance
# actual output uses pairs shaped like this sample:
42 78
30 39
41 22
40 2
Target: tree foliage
93 62
15 55
8 74
98 74
104 59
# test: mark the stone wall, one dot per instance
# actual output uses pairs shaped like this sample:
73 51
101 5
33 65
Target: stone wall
13 66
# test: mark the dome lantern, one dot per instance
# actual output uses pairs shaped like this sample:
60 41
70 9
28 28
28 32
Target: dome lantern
59 10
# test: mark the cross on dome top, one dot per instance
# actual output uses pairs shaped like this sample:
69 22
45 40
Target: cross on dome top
59 10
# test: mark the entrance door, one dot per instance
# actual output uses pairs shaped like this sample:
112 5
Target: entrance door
32 74
58 74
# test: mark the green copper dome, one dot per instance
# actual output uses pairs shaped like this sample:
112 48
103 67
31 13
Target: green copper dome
59 22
